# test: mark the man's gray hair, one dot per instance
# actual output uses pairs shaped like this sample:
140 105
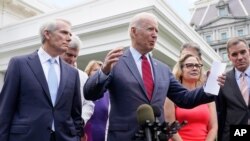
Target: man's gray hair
75 42
138 18
50 26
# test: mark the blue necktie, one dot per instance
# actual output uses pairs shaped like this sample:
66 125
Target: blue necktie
53 84
52 81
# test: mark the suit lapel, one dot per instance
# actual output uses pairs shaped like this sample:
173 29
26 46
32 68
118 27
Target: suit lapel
63 79
236 91
129 60
36 67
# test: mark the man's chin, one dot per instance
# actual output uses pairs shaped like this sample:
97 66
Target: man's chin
242 67
151 48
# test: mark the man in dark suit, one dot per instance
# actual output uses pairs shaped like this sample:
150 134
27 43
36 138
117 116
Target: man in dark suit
40 99
232 106
133 78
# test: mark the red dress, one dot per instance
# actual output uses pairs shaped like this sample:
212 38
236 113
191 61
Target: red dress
198 120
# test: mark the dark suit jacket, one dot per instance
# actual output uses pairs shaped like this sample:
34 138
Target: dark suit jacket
26 110
231 107
127 93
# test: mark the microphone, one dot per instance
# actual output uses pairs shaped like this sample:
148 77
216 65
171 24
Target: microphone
157 124
157 111
145 117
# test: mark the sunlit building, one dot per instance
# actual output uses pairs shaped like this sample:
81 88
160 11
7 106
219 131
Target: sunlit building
101 24
218 20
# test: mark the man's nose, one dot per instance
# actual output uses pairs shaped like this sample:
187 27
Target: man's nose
240 56
155 34
68 37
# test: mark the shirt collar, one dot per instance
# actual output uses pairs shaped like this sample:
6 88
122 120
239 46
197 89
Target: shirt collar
44 56
238 73
137 55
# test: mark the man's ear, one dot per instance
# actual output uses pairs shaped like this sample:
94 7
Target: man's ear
133 31
228 56
46 34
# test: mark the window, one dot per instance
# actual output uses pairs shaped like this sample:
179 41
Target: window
224 56
208 38
224 36
223 11
240 32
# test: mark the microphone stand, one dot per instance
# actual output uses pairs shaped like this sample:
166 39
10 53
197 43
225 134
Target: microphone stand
144 132
160 132
156 130
169 130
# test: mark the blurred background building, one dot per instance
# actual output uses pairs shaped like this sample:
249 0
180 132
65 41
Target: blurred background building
218 20
101 24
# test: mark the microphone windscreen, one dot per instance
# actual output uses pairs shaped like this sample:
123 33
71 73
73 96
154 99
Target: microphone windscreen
157 111
144 113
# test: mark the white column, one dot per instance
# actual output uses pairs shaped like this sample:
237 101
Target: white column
214 35
230 35
233 31
248 29
1 80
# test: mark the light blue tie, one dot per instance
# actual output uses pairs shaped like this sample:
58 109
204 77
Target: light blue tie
53 84
52 81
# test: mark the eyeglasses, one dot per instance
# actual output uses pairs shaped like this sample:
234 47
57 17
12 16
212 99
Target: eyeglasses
192 65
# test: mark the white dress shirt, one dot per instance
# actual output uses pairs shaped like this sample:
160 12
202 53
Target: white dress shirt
87 106
44 59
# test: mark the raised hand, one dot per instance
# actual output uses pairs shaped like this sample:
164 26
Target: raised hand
111 59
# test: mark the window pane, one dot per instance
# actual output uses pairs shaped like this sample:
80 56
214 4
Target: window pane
240 32
208 38
222 12
224 56
223 36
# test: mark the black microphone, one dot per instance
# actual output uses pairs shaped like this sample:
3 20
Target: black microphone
157 112
145 117
157 124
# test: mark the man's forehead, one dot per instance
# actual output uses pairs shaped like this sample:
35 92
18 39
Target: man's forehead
73 49
236 50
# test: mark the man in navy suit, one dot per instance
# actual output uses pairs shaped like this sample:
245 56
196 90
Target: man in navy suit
233 106
31 108
122 74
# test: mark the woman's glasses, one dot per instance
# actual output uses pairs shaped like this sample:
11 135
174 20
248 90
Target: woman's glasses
192 65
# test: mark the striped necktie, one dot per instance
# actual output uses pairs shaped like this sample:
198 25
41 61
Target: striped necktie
244 87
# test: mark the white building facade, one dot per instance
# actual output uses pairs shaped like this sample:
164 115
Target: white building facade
102 25
218 20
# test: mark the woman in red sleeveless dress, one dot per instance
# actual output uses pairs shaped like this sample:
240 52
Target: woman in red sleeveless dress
202 120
